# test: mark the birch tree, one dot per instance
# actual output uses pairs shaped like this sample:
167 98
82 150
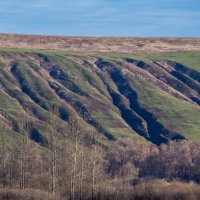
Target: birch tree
75 131
53 149
4 154
23 147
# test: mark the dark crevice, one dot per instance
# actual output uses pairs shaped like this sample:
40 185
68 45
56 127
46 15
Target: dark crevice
134 121
185 70
186 80
33 132
180 82
80 109
58 74
91 81
157 132
63 114
36 136
131 118
26 89
18 95
66 81
140 64
189 82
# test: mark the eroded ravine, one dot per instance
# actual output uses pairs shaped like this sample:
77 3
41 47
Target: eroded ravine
65 83
157 132
185 70
129 116
174 79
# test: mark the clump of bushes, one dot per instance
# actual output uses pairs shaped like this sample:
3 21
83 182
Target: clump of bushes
27 194
152 190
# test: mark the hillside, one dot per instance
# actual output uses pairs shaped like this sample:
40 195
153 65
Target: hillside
99 118
150 98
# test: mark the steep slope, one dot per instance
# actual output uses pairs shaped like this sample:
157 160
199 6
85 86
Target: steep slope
147 98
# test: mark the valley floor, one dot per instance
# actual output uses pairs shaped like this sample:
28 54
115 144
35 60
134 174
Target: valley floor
148 190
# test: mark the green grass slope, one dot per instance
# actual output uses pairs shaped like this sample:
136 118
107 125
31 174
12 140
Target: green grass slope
108 94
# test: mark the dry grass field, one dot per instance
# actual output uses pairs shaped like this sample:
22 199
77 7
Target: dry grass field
100 44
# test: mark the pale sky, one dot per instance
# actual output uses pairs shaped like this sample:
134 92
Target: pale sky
101 17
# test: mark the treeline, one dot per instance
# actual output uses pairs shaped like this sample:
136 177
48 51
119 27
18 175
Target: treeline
73 164
174 161
177 160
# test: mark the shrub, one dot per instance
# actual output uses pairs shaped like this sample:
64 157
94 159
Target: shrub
28 194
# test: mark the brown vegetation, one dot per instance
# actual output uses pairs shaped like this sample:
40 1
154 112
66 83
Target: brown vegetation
154 190
100 44
66 165
69 168
28 194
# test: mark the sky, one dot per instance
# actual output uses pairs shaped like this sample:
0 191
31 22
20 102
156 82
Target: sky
101 17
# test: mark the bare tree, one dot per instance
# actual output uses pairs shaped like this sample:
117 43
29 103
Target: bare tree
53 149
97 162
94 167
4 153
75 131
23 148
82 172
